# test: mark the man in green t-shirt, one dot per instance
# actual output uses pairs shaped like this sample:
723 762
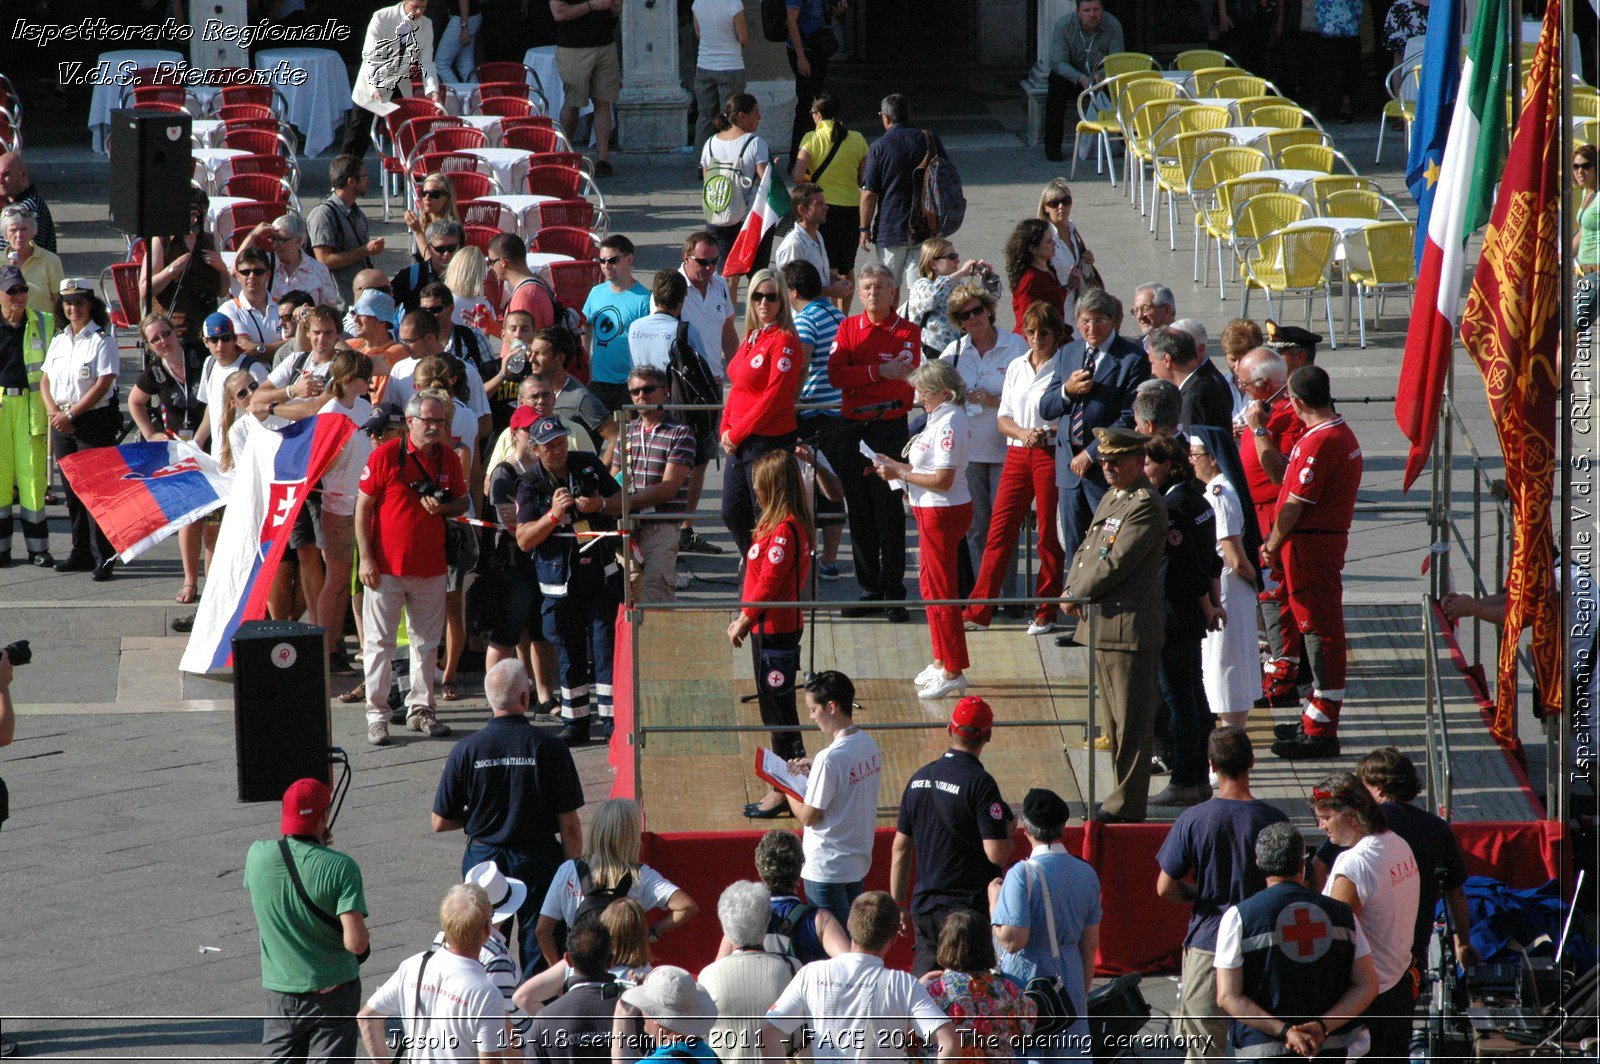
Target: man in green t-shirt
313 932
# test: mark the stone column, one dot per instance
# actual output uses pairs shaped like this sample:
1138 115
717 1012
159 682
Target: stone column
204 54
650 114
1035 84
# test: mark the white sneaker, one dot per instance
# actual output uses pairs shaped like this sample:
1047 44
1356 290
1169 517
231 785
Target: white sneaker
940 687
974 626
424 721
1038 627
927 675
378 733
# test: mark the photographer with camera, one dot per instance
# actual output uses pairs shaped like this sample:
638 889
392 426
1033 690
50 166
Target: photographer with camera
563 502
410 486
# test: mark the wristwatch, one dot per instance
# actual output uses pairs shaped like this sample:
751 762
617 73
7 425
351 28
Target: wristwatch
1258 432
1283 1033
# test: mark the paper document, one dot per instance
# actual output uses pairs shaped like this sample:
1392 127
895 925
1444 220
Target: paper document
775 770
872 457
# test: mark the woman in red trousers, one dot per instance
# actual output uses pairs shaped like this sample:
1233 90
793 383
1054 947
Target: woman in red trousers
1028 270
775 569
936 479
1028 476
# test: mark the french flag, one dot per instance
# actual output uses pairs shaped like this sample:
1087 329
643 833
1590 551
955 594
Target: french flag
141 493
275 472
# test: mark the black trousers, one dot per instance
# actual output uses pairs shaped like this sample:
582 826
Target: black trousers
805 90
738 496
1061 96
97 428
777 661
876 516
357 138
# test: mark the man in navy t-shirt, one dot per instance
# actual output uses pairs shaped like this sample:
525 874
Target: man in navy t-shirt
956 827
1216 842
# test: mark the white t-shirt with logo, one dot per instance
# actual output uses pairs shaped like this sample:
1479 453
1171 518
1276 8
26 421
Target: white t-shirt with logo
462 1010
400 388
709 315
849 1001
942 444
844 781
1384 872
650 889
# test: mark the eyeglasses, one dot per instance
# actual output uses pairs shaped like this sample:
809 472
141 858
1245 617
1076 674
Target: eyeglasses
707 263
646 390
764 297
1144 308
430 420
610 260
254 271
445 249
220 339
493 262
432 309
279 238
950 257
1060 201
434 193
971 312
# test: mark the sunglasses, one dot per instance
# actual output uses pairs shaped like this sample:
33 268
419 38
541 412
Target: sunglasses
220 339
288 324
1583 166
764 297
433 309
245 393
254 271
951 257
434 193
707 263
1063 201
645 390
970 313
611 260
493 262
445 249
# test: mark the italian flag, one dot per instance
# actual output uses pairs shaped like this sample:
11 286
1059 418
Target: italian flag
769 206
1455 195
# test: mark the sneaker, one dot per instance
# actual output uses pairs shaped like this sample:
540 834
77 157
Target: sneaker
927 675
424 721
974 626
1288 731
825 571
603 168
941 687
682 580
603 729
1038 627
692 542
1307 747
378 733
43 559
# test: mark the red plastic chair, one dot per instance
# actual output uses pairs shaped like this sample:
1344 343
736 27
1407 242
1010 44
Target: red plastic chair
490 90
233 241
538 139
565 240
569 159
572 213
469 184
479 235
256 95
275 165
449 138
260 187
446 162
408 133
250 215
573 281
143 96
507 107
392 153
474 212
162 106
235 112
562 182
122 297
502 71
257 141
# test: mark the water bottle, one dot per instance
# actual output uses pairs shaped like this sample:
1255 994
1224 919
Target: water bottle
519 357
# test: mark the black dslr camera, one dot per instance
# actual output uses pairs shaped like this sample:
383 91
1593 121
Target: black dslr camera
427 489
19 653
586 482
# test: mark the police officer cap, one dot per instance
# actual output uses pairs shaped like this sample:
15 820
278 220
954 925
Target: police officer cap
1115 443
1044 808
1291 337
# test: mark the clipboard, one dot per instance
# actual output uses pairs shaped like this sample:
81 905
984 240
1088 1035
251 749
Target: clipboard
775 771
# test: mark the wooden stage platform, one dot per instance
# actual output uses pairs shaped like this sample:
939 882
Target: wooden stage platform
689 675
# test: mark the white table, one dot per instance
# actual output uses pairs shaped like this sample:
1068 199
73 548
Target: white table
539 261
202 130
506 164
1353 253
1225 103
219 204
1291 180
1245 134
107 98
315 107
519 205
210 160
490 124
542 61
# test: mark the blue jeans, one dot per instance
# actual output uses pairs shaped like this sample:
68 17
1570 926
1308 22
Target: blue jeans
534 869
834 897
1183 689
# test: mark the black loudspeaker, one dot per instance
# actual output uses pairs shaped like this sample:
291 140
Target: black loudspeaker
151 169
281 722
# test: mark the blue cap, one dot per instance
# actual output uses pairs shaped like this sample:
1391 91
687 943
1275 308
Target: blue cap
375 304
547 429
218 324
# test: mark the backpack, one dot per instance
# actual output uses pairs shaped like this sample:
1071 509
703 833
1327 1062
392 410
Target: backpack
781 942
693 383
938 205
725 196
775 21
569 318
595 900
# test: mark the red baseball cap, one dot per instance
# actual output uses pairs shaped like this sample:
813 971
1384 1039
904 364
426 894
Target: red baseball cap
523 417
304 803
972 718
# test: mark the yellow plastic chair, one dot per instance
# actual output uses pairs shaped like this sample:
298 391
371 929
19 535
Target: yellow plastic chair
1206 78
1215 207
1202 59
1142 111
1586 132
1102 122
1361 203
1175 162
1403 83
1237 85
1321 188
1317 157
1246 106
1586 106
1282 116
1275 142
1290 262
1389 247
1264 214
1127 62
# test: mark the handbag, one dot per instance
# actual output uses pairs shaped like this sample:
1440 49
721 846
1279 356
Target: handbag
305 899
1049 993
1086 270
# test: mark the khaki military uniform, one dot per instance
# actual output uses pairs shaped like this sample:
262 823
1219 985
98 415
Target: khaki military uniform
1118 568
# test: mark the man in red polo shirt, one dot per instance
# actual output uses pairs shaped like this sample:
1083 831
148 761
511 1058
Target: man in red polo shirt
409 488
873 353
1315 508
1266 437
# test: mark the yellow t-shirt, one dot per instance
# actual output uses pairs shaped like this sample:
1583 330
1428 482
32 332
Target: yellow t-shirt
839 185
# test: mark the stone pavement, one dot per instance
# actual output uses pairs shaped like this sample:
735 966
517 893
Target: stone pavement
121 861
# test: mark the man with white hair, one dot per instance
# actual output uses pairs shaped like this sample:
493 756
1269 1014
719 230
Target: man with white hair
744 984
445 1000
515 791
1174 357
297 270
1154 306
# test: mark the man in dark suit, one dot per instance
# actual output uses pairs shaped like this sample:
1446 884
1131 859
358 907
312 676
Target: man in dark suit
1092 384
1175 358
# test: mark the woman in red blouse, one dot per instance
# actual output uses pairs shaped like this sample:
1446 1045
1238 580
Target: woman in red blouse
1028 270
764 378
775 569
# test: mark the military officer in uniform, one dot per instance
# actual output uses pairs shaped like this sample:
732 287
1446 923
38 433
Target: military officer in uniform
1118 568
24 431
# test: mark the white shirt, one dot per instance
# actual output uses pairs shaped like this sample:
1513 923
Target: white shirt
709 314
392 44
1225 504
310 277
844 781
650 340
212 378
801 246
400 389
719 44
340 482
846 998
73 364
288 371
1384 872
744 153
988 372
650 889
942 444
462 1010
260 326
1019 397
743 985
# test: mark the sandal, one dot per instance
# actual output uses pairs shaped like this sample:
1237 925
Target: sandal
448 692
358 693
187 594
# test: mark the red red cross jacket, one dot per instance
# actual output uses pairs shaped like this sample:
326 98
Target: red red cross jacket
775 570
763 382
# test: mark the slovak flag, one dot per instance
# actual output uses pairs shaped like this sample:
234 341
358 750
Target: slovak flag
141 493
275 472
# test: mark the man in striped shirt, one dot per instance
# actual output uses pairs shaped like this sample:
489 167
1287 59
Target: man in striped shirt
661 453
816 321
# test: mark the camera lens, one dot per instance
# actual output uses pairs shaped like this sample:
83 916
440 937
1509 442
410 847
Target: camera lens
19 653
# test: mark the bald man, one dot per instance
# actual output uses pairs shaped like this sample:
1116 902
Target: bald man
16 189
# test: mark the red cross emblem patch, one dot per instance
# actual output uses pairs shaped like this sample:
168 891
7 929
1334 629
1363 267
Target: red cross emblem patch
1304 932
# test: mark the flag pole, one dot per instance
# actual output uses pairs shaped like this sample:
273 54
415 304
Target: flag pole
1514 35
1556 802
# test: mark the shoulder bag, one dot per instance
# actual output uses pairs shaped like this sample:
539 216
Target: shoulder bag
843 135
305 899
1049 993
416 1011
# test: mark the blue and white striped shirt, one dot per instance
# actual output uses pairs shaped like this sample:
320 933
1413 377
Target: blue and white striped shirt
817 324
